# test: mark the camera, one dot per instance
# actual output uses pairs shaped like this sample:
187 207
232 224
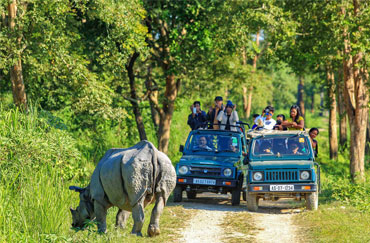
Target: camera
278 122
267 110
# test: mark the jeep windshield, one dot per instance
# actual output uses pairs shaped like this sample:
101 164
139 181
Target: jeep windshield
281 146
215 143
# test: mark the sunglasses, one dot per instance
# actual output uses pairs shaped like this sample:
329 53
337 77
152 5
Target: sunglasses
268 114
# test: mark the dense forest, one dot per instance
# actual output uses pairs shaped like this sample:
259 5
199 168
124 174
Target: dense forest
78 77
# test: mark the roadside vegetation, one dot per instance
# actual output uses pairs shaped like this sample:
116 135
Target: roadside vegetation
344 207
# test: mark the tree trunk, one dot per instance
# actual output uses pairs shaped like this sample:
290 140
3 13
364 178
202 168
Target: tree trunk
3 19
249 104
16 74
357 99
134 99
166 114
245 101
153 97
313 102
254 69
300 98
245 90
367 146
333 139
342 114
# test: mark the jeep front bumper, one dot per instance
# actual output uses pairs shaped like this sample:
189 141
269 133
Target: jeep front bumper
206 182
288 188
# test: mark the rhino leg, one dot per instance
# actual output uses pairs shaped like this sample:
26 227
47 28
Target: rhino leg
101 217
138 216
153 228
121 218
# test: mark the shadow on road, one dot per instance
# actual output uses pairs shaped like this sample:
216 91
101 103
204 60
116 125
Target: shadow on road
222 202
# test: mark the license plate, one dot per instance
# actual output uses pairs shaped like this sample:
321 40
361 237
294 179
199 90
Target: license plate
281 188
204 181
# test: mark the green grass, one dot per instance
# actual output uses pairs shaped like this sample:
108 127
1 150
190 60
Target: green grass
335 223
344 207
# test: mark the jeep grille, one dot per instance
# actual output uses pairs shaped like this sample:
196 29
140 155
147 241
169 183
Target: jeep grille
205 171
281 175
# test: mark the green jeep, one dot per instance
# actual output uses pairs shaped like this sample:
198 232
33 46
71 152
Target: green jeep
280 164
212 162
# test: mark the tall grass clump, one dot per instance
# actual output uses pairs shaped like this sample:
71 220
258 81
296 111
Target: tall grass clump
37 163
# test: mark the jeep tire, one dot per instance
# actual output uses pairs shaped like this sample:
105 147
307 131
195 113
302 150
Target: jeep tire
191 194
252 202
312 201
235 196
177 194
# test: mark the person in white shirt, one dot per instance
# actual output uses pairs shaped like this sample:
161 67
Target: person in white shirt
266 118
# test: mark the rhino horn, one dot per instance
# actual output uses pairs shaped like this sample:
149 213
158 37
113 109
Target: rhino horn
76 188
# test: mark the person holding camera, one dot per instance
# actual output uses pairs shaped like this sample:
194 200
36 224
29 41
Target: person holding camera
228 117
266 118
197 118
213 113
279 120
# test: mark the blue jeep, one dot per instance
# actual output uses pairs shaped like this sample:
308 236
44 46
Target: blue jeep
280 164
212 162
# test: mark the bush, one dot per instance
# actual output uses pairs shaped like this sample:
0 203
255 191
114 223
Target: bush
29 142
343 190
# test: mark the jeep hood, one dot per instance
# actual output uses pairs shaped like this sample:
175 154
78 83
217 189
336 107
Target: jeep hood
281 164
207 160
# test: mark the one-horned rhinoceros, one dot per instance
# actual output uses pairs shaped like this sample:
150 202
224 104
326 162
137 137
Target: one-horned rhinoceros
129 179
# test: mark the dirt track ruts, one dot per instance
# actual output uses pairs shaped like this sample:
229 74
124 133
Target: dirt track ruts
273 220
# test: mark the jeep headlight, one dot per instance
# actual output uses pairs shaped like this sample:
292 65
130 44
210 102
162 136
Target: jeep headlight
257 176
183 170
305 175
228 172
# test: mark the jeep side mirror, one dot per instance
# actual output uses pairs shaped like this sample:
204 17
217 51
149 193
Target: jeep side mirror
181 149
246 160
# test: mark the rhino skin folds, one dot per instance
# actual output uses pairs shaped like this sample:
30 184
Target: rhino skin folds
129 179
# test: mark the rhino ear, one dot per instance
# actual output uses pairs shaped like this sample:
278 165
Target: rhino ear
76 188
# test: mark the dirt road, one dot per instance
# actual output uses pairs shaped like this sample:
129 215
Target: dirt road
273 222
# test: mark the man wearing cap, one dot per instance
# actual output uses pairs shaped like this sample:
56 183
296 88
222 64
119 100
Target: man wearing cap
212 114
266 118
197 118
228 117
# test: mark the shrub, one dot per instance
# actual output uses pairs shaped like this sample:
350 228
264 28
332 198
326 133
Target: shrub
29 142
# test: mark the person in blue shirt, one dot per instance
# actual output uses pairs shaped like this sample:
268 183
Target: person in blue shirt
255 125
197 118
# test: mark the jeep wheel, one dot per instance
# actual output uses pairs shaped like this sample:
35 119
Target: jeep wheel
244 193
177 194
191 194
235 197
312 201
252 202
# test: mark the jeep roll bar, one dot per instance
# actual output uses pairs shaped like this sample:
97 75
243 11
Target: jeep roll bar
240 125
